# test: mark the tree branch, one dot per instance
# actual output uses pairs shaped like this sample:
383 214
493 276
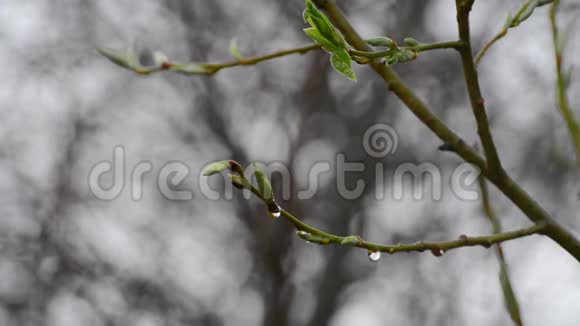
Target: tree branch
487 46
416 48
248 61
504 183
523 13
562 83
510 299
312 234
475 96
130 61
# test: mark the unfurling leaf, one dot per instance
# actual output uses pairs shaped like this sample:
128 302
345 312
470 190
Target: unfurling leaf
239 182
409 41
127 59
325 29
508 21
391 60
314 34
381 41
406 55
263 184
323 32
342 64
234 51
525 12
216 167
160 58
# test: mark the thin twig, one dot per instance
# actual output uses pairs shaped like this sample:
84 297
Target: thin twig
208 69
561 84
509 24
437 248
486 47
416 48
511 302
248 61
475 96
197 68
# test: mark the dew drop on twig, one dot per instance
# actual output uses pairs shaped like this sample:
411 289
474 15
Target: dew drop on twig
374 256
437 252
274 209
303 234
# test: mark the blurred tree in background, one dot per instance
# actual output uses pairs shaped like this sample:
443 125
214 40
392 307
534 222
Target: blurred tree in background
69 258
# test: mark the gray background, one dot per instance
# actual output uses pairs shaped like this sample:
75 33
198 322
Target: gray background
68 258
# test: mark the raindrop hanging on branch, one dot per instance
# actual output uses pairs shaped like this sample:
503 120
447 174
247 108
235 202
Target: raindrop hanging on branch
374 256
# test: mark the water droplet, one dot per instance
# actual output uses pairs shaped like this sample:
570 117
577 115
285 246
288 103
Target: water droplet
374 255
274 209
437 252
303 235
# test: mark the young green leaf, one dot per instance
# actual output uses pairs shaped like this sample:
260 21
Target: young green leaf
322 24
337 37
323 28
316 20
314 34
343 55
508 21
239 182
216 167
409 41
380 41
234 51
391 59
124 59
159 58
263 183
342 64
310 10
525 12
405 55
